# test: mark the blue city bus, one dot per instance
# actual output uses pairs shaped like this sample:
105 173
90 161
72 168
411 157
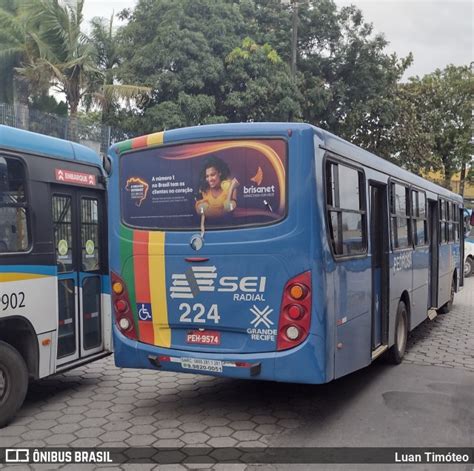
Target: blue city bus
55 310
272 251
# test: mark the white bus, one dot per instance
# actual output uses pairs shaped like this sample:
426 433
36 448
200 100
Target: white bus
54 284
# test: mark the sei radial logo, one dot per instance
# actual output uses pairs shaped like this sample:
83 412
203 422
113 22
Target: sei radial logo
205 280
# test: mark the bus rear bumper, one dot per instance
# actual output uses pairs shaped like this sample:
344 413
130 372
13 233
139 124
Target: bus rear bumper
302 364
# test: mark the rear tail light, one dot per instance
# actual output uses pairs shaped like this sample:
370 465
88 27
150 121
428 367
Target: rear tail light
123 314
295 313
121 305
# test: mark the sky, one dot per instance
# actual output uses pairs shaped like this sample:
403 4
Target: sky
437 32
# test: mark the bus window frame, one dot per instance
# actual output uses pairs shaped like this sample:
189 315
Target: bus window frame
197 141
408 217
28 206
337 159
418 218
443 238
451 221
73 230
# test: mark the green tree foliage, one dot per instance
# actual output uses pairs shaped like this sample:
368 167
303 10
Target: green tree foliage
20 46
258 85
446 111
197 49
109 91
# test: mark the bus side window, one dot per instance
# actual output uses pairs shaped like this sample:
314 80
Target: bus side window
346 209
419 223
453 224
443 224
400 216
13 206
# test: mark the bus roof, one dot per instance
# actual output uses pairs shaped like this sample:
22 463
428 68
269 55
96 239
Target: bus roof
341 147
39 144
330 142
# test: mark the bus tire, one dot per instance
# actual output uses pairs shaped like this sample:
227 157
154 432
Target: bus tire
449 305
397 351
13 382
468 267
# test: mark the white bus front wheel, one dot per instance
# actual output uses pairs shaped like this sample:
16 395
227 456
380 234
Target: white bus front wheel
13 382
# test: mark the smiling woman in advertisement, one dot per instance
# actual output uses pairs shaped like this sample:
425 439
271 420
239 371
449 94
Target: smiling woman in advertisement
218 191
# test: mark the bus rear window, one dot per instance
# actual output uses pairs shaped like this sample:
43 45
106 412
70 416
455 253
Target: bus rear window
229 183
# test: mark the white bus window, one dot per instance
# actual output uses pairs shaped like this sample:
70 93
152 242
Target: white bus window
400 216
62 224
90 234
419 223
346 209
349 188
13 207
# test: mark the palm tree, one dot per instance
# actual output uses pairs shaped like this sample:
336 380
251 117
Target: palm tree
19 47
68 55
110 92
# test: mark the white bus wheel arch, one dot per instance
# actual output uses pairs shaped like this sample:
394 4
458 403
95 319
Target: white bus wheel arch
20 334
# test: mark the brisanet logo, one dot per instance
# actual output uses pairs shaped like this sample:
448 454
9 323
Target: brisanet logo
204 279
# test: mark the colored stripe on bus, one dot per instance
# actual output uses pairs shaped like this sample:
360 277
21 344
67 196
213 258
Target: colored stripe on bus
124 146
5 277
142 287
156 257
155 139
150 140
47 270
127 269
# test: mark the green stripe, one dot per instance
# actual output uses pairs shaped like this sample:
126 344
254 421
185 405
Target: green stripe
128 272
124 146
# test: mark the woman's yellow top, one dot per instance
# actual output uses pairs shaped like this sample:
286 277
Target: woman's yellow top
214 206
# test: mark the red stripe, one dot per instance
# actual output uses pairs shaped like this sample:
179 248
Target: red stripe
139 142
146 332
142 286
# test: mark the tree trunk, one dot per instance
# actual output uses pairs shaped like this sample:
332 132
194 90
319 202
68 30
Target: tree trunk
21 103
73 134
294 38
462 178
448 173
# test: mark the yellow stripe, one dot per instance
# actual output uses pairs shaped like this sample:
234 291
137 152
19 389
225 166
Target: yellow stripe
155 139
159 307
20 276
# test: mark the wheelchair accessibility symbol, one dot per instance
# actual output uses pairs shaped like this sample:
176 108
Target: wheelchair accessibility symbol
144 311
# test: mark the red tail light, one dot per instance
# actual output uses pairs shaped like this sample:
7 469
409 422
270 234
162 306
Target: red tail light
121 303
295 314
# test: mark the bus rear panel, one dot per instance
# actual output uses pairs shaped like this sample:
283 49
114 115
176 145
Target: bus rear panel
223 290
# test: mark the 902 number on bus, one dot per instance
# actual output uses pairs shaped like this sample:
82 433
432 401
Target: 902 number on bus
12 300
197 312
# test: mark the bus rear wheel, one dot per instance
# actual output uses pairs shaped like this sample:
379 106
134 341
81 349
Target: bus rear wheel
397 351
468 267
13 382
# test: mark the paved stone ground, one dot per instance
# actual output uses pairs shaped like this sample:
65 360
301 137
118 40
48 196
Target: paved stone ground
448 340
101 405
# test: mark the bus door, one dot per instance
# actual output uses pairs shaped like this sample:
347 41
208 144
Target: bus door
77 216
380 265
433 221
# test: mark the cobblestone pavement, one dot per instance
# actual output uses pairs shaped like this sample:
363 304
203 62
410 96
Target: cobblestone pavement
101 405
448 340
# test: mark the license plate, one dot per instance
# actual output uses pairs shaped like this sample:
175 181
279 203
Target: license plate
202 365
203 337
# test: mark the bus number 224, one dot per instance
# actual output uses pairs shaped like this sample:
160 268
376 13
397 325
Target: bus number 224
198 311
12 300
